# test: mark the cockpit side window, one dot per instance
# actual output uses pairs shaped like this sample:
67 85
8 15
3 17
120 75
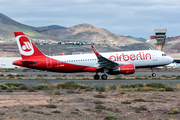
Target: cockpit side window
163 54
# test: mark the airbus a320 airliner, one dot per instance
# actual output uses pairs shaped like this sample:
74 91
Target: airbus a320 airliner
108 63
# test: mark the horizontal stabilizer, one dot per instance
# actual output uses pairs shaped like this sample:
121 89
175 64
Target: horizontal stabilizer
28 62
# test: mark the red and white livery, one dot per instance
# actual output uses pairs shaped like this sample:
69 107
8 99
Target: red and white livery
108 63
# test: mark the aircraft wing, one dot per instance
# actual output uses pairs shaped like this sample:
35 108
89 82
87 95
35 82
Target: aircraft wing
104 62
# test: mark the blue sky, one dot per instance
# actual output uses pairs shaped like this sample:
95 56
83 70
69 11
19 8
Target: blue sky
136 18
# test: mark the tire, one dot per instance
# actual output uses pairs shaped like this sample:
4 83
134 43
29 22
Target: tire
104 77
153 74
96 77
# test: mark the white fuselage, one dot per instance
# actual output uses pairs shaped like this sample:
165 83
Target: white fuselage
145 58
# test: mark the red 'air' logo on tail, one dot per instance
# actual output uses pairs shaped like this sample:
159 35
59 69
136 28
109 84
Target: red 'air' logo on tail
25 46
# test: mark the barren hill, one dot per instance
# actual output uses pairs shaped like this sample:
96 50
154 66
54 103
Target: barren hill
92 34
8 26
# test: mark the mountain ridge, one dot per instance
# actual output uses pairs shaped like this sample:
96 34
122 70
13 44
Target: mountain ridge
84 32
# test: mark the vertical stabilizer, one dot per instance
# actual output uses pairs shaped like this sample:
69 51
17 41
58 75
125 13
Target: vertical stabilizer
26 47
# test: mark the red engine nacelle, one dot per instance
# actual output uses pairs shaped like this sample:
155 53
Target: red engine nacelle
127 69
123 69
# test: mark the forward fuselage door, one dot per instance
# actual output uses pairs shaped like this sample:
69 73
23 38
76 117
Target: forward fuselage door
155 58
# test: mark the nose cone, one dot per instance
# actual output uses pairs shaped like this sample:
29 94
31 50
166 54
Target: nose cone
170 59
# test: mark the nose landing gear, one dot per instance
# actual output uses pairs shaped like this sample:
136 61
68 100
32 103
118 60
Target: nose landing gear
153 74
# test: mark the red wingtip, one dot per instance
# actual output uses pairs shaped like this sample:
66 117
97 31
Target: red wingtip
61 53
18 33
95 51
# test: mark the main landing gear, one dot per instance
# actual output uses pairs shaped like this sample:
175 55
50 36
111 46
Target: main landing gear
153 74
103 77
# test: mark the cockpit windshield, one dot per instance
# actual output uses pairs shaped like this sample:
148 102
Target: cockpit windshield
164 54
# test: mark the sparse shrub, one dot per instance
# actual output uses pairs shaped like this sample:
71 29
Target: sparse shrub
24 110
122 92
56 111
141 108
98 102
31 89
169 88
78 89
88 89
125 86
174 111
99 96
163 76
173 75
100 107
60 86
13 84
108 88
116 110
117 76
149 76
57 92
79 75
113 87
46 82
70 91
110 109
50 106
45 75
126 102
100 89
23 87
39 75
145 89
2 113
178 77
3 87
9 90
135 85
37 111
161 89
110 117
156 85
140 100
43 87
177 86
69 85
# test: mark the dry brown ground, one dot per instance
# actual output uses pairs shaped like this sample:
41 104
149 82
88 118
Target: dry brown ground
81 106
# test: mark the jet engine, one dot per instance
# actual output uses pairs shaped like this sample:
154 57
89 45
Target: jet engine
123 69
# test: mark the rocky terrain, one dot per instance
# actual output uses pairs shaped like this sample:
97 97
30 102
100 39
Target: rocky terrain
87 106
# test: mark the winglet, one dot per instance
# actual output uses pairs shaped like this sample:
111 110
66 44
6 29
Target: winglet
61 53
95 51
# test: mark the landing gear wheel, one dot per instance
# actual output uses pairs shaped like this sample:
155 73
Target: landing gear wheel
153 74
104 77
96 77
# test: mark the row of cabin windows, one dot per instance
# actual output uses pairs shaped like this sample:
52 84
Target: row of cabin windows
79 60
96 59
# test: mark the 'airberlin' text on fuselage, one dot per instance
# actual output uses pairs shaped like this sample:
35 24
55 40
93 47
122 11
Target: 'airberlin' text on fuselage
132 57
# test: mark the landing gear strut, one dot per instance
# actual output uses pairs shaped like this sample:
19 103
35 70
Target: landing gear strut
104 76
153 74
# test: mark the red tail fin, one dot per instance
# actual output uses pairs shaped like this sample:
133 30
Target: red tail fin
26 47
